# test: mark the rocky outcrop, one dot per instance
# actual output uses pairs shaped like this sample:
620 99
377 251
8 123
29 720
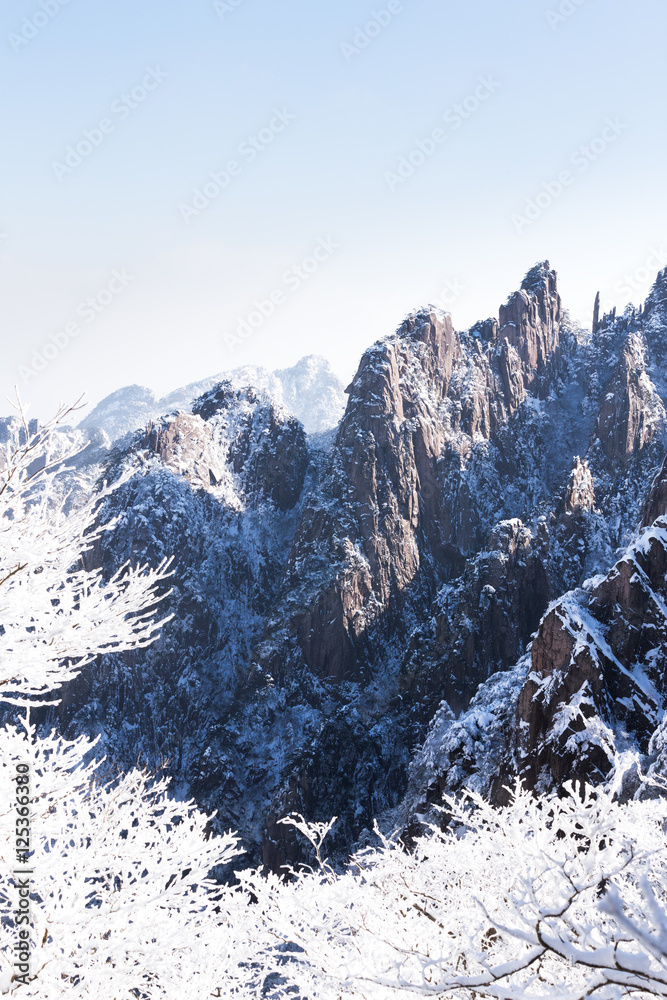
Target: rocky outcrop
481 623
530 321
405 610
599 661
631 410
397 513
592 683
185 444
655 504
261 445
580 489
512 376
358 543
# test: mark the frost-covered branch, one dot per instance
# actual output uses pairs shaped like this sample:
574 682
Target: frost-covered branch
55 614
122 895
557 898
122 903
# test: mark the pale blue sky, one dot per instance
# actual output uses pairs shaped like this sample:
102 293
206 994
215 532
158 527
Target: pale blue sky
448 232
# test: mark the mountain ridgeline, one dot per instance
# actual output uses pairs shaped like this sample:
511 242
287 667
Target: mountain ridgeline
462 583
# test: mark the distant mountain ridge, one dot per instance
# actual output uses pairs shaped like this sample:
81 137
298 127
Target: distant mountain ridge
310 390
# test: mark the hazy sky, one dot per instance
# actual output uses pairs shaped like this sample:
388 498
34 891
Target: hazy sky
370 158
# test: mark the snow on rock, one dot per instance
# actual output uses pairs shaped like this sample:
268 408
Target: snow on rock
597 677
438 593
122 411
309 390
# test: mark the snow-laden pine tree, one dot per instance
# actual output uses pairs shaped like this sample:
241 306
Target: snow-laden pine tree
121 904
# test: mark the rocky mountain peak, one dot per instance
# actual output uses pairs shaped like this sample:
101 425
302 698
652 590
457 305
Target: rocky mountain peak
540 279
530 321
444 576
596 313
184 443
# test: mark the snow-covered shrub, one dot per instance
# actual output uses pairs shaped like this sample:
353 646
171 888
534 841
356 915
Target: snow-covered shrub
120 903
549 897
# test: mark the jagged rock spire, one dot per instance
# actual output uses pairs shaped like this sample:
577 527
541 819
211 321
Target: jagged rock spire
596 313
530 320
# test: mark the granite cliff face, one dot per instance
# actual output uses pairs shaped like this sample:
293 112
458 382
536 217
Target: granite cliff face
597 678
591 683
530 321
455 588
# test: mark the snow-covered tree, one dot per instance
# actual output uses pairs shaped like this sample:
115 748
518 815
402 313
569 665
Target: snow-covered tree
121 902
564 897
56 615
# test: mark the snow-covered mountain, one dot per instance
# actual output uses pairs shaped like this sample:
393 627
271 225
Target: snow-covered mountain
467 585
310 390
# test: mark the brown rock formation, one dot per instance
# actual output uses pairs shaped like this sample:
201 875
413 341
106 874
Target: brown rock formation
530 321
402 514
630 410
656 501
599 655
512 375
184 443
580 491
483 623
